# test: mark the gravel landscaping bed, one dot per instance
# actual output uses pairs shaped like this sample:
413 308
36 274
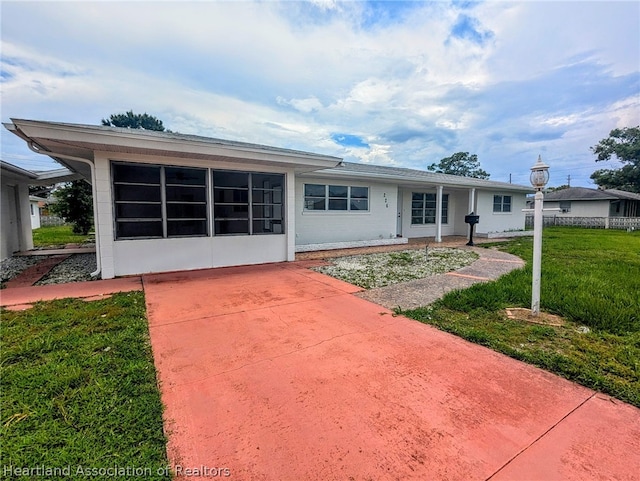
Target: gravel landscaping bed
11 267
384 269
76 268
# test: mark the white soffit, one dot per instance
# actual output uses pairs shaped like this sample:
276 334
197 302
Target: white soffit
83 140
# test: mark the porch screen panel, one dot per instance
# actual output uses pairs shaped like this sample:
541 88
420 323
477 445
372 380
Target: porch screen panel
266 203
231 202
137 192
186 201
248 203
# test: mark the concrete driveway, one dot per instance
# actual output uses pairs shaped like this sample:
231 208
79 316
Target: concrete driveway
276 372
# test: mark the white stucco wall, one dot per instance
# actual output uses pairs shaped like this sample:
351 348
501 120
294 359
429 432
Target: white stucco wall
16 234
318 227
9 229
584 208
137 256
499 221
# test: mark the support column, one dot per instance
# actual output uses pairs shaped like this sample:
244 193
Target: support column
439 214
472 201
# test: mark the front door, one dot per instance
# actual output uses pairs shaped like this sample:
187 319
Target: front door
399 219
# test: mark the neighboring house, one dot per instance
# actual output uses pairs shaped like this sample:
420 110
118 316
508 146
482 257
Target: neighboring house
584 202
165 201
34 210
16 218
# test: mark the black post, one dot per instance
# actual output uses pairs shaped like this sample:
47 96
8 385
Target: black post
470 243
472 220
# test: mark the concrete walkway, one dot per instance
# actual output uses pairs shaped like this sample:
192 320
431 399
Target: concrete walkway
277 372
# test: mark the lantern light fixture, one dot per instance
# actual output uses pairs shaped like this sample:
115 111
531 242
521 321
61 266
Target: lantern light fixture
539 175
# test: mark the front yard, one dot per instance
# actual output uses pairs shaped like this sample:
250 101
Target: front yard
79 394
79 387
591 278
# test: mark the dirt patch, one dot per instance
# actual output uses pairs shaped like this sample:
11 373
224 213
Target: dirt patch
544 318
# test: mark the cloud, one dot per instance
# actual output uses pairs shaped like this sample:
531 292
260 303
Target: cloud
303 105
412 82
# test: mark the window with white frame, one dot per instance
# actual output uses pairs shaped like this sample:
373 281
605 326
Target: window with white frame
336 197
501 203
423 208
248 203
153 201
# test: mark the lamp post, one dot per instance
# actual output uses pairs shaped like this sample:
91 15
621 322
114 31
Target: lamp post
539 178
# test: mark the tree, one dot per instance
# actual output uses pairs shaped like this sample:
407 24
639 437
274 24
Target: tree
560 187
460 163
134 121
624 144
74 203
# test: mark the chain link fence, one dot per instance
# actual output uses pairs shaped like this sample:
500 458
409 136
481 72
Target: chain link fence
587 222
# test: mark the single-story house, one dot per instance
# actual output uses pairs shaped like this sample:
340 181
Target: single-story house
34 210
165 201
584 202
17 206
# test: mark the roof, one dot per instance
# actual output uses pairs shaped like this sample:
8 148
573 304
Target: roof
414 177
623 194
18 174
583 193
74 144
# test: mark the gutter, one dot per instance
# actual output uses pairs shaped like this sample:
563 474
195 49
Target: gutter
32 146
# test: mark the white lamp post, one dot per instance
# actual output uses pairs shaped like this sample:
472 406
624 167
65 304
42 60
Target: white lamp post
539 178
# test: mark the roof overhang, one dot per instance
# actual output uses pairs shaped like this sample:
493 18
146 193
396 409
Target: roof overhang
62 140
449 181
13 173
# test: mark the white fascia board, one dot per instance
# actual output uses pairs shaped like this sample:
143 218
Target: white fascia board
18 171
417 182
143 140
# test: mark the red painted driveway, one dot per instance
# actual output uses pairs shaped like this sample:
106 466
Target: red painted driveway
275 372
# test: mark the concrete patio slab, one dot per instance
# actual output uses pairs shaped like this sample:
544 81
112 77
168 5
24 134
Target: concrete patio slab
277 372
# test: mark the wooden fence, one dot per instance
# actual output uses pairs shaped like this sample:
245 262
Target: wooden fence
588 222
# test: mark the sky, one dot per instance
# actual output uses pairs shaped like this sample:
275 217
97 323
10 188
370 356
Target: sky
397 83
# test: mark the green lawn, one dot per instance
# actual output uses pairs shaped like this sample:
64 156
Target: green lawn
589 277
57 236
79 391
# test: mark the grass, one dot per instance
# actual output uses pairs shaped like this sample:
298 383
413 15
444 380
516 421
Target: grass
57 236
590 278
79 390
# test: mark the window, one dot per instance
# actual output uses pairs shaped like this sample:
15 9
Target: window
502 203
335 197
155 201
247 203
423 208
565 206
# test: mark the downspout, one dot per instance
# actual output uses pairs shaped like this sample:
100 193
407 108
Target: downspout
32 147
